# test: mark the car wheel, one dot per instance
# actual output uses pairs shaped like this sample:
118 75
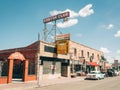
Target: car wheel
98 78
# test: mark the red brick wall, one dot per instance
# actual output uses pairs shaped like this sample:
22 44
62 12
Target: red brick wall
31 77
3 80
29 52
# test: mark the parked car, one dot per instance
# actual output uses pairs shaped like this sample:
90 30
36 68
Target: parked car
105 73
110 73
95 75
116 73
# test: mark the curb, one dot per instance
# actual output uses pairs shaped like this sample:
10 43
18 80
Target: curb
33 84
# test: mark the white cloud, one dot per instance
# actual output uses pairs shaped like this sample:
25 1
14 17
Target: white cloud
118 51
86 11
110 26
105 50
72 20
52 37
109 58
117 57
73 14
51 23
55 12
68 23
117 34
79 35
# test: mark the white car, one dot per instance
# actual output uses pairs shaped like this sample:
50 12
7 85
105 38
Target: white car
116 73
95 75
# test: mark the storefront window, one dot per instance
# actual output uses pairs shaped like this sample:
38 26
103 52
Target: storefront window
51 67
58 67
31 69
47 67
78 68
3 68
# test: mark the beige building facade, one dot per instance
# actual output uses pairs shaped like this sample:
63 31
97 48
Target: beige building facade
80 58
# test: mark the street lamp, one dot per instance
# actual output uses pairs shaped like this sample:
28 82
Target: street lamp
82 62
72 58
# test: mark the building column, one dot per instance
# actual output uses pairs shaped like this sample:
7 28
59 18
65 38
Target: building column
10 71
68 71
25 70
40 72
40 75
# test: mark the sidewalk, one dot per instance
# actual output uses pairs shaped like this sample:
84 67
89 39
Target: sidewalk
33 84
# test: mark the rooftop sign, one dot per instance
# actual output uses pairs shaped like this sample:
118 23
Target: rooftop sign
63 37
56 17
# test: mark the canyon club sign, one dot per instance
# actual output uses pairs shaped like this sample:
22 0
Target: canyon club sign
56 17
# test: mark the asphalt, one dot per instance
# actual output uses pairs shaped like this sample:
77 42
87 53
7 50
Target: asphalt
19 85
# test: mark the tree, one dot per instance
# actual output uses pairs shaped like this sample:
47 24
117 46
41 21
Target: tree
103 58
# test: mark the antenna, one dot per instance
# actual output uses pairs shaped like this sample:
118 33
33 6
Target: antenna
38 36
45 32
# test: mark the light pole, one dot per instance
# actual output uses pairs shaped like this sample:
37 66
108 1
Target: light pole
82 62
72 58
38 61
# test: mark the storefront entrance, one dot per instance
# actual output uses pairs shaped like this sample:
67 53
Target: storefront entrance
64 70
16 67
54 67
17 70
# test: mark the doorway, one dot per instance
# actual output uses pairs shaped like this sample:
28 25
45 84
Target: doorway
17 70
64 69
17 64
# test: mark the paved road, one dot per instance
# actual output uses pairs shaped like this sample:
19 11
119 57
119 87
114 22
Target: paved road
110 83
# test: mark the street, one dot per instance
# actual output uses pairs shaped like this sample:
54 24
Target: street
109 83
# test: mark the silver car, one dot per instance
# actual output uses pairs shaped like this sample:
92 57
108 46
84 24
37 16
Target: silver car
95 75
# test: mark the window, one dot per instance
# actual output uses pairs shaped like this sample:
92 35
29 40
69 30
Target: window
3 68
98 57
75 51
31 67
93 55
82 53
88 54
51 67
49 49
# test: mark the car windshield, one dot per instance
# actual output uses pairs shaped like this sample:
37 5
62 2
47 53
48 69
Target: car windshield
93 72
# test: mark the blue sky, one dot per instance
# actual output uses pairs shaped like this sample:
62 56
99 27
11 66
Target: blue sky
94 23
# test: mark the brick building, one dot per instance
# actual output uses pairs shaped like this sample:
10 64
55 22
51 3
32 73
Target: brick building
22 62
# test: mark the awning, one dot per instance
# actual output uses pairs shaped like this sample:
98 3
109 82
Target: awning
93 64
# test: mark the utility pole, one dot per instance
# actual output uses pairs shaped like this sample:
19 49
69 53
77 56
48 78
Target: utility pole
38 61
